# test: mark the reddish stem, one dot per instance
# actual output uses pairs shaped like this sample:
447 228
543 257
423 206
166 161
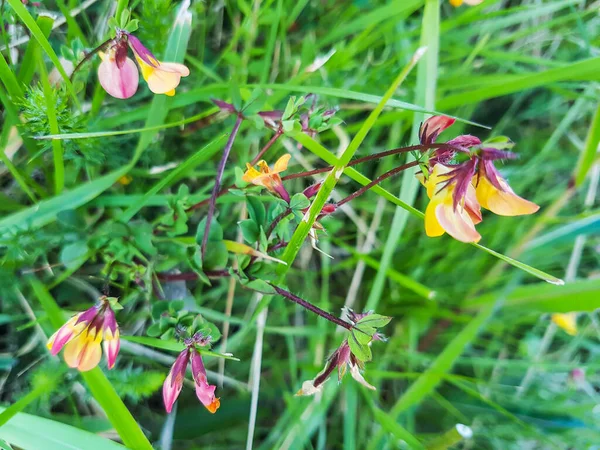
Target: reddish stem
215 192
376 181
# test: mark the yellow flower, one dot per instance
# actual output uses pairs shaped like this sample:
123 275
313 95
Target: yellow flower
441 216
567 321
267 177
503 202
162 78
457 3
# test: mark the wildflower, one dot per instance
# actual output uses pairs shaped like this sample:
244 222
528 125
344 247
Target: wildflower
494 193
566 321
174 382
82 335
341 359
162 77
117 73
457 191
269 178
457 3
453 206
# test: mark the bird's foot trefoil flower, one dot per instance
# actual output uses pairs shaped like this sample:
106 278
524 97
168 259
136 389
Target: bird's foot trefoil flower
174 381
457 3
83 333
458 190
269 178
119 76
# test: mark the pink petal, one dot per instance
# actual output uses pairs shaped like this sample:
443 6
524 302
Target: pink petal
111 345
120 83
457 223
174 382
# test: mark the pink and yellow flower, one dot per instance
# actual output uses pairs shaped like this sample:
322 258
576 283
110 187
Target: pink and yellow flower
162 77
269 178
83 334
450 211
174 382
457 191
117 73
457 3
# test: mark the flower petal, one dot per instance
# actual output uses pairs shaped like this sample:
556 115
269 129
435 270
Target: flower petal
84 352
308 388
567 321
164 78
120 83
432 225
503 203
111 345
174 381
67 332
358 377
457 223
282 163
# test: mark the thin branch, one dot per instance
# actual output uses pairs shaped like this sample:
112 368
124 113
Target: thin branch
217 186
311 307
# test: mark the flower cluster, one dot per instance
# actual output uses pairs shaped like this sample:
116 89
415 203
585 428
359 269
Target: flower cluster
83 334
457 191
269 178
119 76
174 382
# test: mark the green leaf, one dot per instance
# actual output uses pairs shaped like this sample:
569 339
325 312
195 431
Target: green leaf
299 202
260 286
256 210
250 230
360 350
173 346
72 253
375 320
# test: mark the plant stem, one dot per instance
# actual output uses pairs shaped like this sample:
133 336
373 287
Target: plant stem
376 181
354 162
217 186
224 191
277 220
311 307
267 146
88 56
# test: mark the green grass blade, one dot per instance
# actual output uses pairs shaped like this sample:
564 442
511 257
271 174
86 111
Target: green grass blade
590 151
30 432
526 268
46 211
199 157
304 227
28 64
39 35
57 150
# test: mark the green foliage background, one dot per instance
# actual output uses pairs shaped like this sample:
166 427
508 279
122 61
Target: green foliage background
471 341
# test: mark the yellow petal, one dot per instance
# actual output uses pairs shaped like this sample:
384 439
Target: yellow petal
282 163
436 180
84 352
264 167
432 225
147 69
171 93
503 203
251 174
567 322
